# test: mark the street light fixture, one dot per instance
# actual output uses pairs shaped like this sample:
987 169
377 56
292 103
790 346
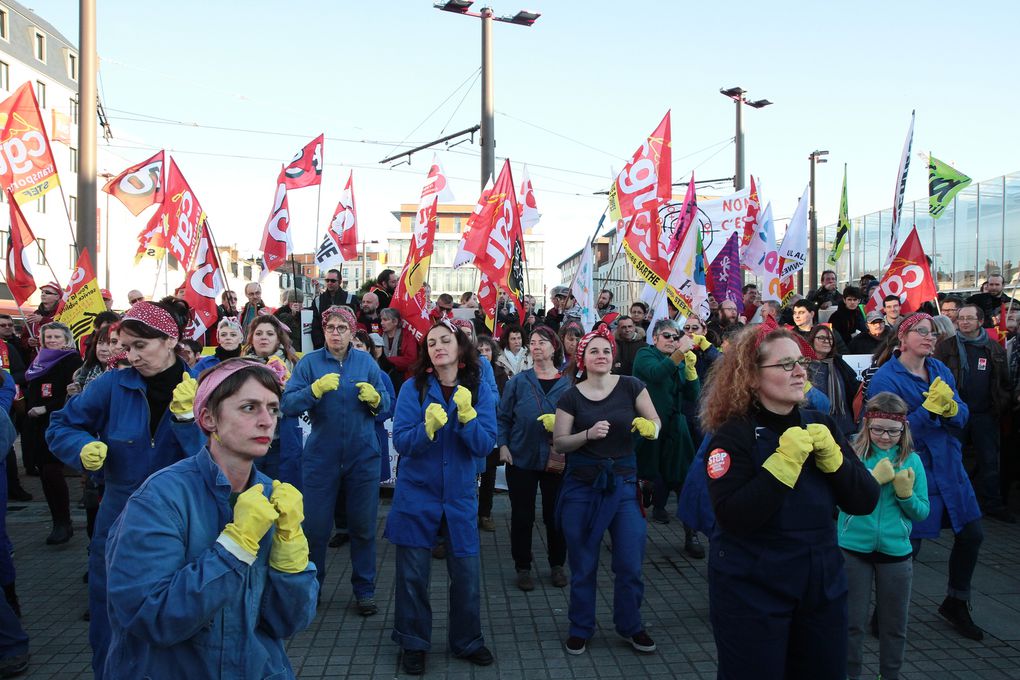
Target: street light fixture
487 138
737 95
815 157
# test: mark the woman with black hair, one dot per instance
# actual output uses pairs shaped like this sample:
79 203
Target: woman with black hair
129 423
444 421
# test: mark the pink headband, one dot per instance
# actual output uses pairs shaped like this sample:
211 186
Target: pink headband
212 379
345 315
463 323
898 417
910 322
154 317
600 331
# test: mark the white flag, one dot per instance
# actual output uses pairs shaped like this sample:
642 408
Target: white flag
794 247
900 189
762 256
526 200
583 288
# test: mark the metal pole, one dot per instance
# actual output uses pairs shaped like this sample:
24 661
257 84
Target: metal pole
87 98
487 138
738 179
812 228
364 260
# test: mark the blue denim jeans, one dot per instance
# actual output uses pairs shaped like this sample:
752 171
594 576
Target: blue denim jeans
412 626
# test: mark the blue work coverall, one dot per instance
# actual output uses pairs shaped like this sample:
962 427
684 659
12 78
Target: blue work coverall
182 605
13 638
341 451
114 410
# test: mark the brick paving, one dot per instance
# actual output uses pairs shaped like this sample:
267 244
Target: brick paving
526 630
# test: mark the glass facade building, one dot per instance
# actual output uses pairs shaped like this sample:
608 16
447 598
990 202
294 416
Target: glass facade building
977 235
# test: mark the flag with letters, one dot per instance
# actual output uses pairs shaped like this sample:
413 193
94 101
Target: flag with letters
842 227
139 186
944 183
305 169
341 240
27 167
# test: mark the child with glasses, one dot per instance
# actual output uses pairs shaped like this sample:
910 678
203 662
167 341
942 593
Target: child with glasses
877 546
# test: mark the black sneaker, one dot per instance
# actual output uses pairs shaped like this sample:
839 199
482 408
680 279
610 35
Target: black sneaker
524 580
61 534
15 665
957 612
367 606
646 492
413 661
338 540
660 515
692 545
480 657
18 494
559 577
641 642
576 645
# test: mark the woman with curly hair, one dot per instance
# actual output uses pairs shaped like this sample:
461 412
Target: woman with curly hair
776 473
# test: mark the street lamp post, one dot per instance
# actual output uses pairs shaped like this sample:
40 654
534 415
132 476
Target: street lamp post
487 138
737 95
815 157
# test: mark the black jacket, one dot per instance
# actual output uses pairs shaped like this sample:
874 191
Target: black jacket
321 303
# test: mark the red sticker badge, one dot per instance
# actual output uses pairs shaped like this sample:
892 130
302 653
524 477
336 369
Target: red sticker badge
982 364
717 463
47 390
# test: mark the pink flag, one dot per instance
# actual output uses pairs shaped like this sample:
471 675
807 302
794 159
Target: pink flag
724 273
687 214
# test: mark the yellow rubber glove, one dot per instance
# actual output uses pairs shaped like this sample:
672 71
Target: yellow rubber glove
289 553
807 386
253 517
701 342
435 418
184 396
939 399
645 428
883 472
904 483
828 455
326 383
795 445
368 394
465 411
548 421
93 455
690 366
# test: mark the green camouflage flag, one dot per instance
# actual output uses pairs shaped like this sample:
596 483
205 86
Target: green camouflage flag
842 227
944 182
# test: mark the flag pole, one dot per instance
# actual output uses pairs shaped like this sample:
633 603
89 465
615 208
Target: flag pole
315 245
155 283
216 254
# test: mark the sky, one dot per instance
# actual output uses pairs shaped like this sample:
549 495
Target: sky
233 89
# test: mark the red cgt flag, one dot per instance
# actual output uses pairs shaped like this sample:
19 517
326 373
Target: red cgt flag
19 270
183 216
276 244
202 285
647 180
909 277
345 222
305 169
139 186
26 164
409 297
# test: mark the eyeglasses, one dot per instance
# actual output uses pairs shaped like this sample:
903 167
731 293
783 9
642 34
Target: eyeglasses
924 332
966 318
339 330
878 432
135 300
823 339
669 336
332 281
789 364
692 328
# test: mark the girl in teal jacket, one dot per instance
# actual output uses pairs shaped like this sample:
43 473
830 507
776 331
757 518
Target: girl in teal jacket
877 546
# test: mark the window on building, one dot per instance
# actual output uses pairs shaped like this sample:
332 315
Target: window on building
39 46
40 93
5 27
40 257
5 76
72 66
40 205
456 224
74 110
72 208
74 159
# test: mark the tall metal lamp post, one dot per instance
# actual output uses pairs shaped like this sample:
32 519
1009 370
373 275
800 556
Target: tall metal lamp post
815 157
737 95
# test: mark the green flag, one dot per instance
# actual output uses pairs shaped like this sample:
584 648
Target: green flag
842 227
944 182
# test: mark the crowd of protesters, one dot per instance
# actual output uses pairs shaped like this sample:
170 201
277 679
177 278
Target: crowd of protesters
210 512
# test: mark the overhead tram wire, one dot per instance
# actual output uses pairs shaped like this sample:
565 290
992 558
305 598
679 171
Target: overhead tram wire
474 74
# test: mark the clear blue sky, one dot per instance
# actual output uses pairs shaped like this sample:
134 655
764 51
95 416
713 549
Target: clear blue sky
843 76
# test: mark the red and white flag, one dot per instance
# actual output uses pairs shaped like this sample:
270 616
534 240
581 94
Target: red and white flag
341 240
529 208
27 167
152 239
646 181
203 284
19 268
908 277
183 216
139 186
409 298
305 169
276 245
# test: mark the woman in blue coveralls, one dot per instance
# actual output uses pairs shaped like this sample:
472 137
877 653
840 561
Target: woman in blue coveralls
776 472
594 422
443 425
129 423
269 342
208 565
936 414
342 390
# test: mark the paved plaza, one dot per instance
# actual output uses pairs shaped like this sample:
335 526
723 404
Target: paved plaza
526 630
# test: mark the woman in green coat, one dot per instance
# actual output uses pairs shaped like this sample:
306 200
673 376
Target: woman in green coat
667 367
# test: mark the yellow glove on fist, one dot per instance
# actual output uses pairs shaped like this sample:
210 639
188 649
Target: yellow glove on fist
184 396
253 517
883 472
465 411
690 366
795 445
701 342
904 483
326 383
939 399
368 394
435 418
548 421
828 455
93 455
289 553
645 428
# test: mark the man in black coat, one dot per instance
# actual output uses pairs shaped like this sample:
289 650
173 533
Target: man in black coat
333 295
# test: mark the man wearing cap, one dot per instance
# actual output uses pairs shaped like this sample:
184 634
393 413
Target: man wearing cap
49 298
333 295
878 332
107 298
342 390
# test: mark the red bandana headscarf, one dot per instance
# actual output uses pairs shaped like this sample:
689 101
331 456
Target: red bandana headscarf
155 317
600 331
910 322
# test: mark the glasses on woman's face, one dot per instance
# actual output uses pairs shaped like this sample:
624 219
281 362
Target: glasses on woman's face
825 340
669 336
339 330
924 332
879 432
692 329
789 364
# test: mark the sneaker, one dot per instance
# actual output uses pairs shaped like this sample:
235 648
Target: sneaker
338 540
367 606
486 524
646 493
957 612
559 577
660 515
576 645
61 534
480 657
18 494
524 580
692 545
1003 515
14 665
413 661
641 642
439 552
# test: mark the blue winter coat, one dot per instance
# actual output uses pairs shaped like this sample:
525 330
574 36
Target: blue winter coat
343 427
181 605
205 362
522 403
380 429
935 442
8 390
438 477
